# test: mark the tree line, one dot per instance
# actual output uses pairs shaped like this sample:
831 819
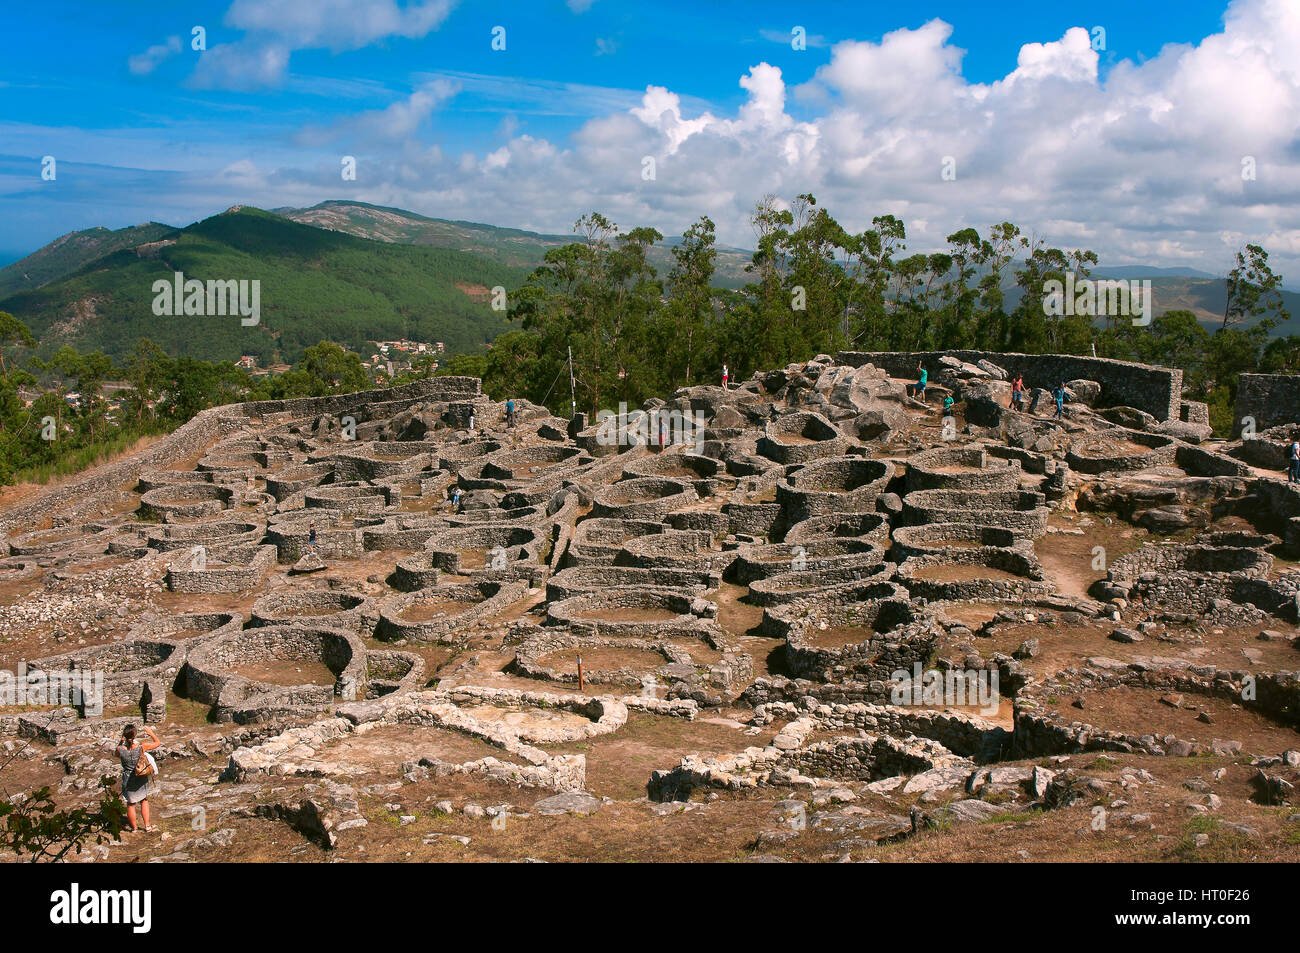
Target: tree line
595 325
61 433
818 288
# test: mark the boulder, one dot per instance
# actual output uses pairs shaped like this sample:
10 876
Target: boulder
1041 401
416 426
875 424
865 389
1129 417
889 503
1166 519
1083 391
1182 430
310 562
728 418
772 381
570 802
984 411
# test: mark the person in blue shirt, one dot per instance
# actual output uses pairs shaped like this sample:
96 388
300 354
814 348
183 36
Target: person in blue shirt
510 412
922 376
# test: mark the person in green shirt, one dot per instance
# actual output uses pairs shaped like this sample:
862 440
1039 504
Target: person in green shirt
947 404
922 376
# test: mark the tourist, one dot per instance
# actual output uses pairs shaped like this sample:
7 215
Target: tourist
663 433
947 404
311 537
1059 395
1293 475
1017 391
726 376
922 377
471 422
138 769
455 498
510 413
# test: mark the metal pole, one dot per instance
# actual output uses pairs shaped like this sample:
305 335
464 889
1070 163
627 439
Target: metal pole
573 394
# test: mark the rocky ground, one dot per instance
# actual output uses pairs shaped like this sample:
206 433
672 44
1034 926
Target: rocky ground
358 633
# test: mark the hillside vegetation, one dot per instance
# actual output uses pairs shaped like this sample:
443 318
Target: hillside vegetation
510 246
72 252
315 285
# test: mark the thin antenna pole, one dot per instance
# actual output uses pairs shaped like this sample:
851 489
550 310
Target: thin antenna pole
573 395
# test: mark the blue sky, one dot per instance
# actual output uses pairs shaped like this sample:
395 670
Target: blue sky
143 127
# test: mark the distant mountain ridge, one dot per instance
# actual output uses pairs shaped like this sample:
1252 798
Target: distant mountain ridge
72 252
353 272
510 246
314 285
1173 288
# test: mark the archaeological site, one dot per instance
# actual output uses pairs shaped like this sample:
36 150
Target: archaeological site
811 616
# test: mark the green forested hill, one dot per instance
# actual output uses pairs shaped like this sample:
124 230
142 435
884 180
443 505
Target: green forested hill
510 246
72 252
315 285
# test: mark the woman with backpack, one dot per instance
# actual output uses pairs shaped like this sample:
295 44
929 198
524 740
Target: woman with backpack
138 769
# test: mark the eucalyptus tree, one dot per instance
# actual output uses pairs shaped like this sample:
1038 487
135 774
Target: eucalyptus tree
689 311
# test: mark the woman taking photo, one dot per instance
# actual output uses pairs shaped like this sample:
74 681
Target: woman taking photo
138 769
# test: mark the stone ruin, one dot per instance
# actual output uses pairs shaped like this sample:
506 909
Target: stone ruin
829 574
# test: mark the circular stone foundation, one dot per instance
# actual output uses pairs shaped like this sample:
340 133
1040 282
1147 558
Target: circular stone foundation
762 562
1119 450
985 573
624 662
599 541
59 540
454 457
935 538
674 549
532 463
331 608
578 580
635 613
349 499
1022 511
671 465
873 527
265 672
125 667
864 640
445 613
185 501
800 438
835 486
650 498
415 572
489 547
173 536
791 586
961 468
